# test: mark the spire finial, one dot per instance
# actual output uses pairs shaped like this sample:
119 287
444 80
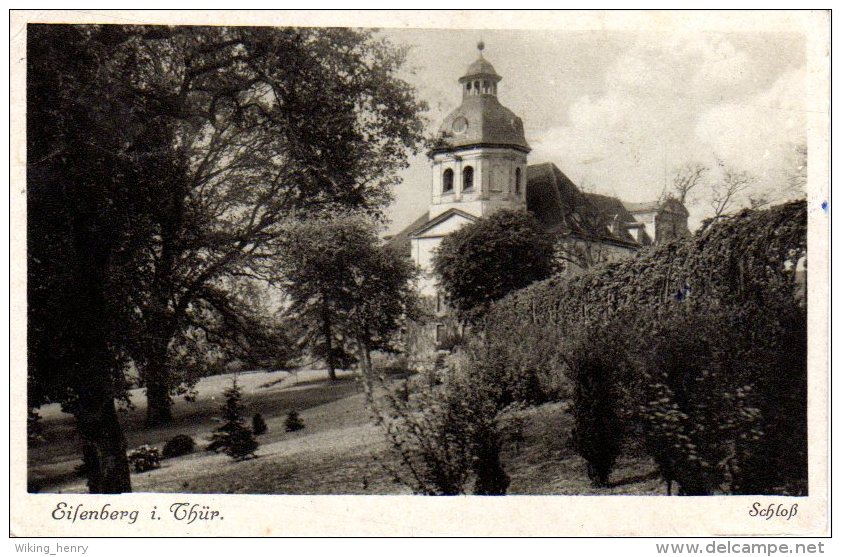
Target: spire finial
481 46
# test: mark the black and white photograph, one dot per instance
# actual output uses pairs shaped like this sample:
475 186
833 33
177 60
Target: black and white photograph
584 259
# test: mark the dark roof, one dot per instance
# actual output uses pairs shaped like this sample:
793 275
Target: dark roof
400 241
481 120
614 212
480 68
611 207
561 207
669 205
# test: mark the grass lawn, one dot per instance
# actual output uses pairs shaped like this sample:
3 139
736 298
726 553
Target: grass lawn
338 451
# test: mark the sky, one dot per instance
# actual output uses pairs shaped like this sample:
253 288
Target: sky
618 111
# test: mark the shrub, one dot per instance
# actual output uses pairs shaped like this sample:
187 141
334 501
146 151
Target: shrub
474 264
402 392
451 340
486 437
34 427
293 421
179 446
598 433
717 413
258 424
692 412
232 437
444 435
144 458
511 376
431 453
773 457
514 426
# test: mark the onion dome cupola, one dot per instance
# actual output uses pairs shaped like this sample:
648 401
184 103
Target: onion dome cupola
481 120
479 161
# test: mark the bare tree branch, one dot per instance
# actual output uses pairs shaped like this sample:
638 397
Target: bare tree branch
686 178
725 192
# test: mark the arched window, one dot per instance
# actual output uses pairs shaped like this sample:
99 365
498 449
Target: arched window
517 177
476 87
467 177
448 180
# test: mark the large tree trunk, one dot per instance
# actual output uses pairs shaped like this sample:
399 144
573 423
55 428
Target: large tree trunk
327 331
158 381
366 371
103 441
158 403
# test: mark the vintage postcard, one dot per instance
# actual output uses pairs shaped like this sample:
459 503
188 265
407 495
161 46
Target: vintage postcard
298 273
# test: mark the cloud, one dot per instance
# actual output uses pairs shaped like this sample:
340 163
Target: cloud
752 133
619 111
684 99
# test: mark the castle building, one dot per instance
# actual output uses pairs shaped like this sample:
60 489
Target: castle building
480 165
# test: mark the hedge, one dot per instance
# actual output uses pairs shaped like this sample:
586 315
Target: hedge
706 337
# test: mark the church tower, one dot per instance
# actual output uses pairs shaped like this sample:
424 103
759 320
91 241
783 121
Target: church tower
479 163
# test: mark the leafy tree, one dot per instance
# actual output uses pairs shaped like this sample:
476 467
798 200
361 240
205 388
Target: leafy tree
232 129
89 197
486 260
267 122
348 291
159 163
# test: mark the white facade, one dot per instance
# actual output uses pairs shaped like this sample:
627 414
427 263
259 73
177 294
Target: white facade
426 241
479 168
498 180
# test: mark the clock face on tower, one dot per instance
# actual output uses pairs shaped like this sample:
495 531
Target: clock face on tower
460 124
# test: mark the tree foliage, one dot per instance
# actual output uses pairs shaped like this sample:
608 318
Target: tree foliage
160 162
193 144
350 292
89 193
266 123
445 433
233 437
486 260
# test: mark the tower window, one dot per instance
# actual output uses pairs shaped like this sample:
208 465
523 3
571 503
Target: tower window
440 332
448 180
476 87
467 176
517 176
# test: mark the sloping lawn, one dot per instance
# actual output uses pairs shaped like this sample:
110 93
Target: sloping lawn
273 394
340 451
